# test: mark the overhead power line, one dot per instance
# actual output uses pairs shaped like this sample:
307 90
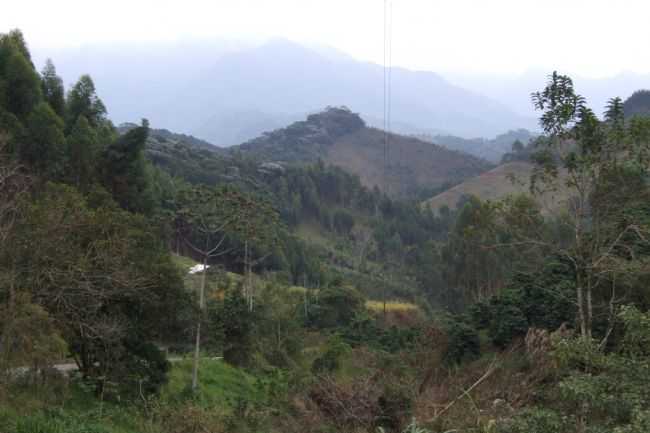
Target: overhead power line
388 59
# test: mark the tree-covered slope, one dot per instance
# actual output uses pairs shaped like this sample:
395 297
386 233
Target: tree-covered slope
340 137
638 104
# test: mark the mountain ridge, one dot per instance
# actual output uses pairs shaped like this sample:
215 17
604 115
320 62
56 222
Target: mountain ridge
283 81
340 137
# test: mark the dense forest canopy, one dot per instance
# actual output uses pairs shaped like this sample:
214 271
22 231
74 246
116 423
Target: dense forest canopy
151 283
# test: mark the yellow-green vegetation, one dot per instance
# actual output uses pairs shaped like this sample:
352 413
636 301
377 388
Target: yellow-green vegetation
220 383
312 233
217 281
183 262
68 408
391 306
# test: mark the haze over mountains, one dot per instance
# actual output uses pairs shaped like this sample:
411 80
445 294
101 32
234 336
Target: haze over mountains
236 92
514 91
228 92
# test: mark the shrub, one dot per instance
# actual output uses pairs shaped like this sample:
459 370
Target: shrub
338 306
395 404
536 421
237 329
463 341
508 322
328 362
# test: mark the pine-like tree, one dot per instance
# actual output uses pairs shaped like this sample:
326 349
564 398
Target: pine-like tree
45 147
82 152
83 101
52 87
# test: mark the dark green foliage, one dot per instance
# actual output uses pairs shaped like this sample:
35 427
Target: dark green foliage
113 292
638 104
144 367
237 329
508 321
83 151
560 104
82 100
279 326
52 87
536 421
542 300
45 146
13 128
337 306
366 330
481 314
20 86
546 297
126 173
462 341
521 151
343 222
328 362
304 141
58 422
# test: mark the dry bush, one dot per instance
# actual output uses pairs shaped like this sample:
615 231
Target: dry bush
350 406
398 313
428 355
479 392
539 347
190 419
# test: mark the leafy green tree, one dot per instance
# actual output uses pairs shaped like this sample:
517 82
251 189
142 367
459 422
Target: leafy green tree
329 361
204 218
258 225
338 306
599 172
238 329
20 87
45 146
126 172
52 88
462 341
83 152
508 321
29 336
606 391
113 290
279 325
82 100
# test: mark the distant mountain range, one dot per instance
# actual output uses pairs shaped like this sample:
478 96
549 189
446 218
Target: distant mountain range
228 93
490 149
515 91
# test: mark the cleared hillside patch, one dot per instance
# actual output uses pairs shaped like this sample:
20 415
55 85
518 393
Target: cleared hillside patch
412 163
496 184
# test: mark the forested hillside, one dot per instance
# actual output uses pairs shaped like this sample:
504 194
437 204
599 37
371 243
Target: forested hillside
151 283
489 149
340 137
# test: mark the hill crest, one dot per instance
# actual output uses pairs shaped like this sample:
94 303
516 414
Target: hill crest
340 137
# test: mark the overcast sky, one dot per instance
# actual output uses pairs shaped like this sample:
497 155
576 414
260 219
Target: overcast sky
594 38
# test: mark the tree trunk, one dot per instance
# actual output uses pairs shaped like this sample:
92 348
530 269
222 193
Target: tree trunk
590 311
197 344
581 307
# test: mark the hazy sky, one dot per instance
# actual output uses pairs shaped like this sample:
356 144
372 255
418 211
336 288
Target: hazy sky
593 38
